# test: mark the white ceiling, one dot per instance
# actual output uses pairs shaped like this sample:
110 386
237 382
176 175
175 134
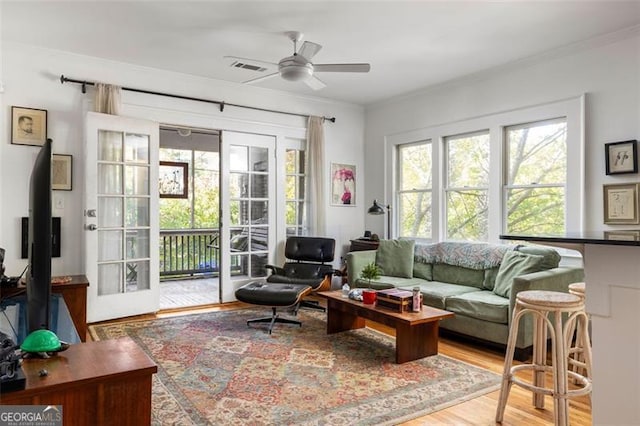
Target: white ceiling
409 44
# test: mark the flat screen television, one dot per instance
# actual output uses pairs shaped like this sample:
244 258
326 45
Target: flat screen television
39 268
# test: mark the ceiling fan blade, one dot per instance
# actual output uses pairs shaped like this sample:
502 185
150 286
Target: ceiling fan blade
315 83
309 49
261 78
244 60
341 67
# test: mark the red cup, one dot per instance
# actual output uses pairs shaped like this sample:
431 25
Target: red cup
369 297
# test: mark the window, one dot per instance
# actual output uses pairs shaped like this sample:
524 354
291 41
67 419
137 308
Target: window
201 209
516 172
536 174
467 185
415 190
295 192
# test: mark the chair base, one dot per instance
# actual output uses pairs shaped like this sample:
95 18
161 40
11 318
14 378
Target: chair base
311 304
274 318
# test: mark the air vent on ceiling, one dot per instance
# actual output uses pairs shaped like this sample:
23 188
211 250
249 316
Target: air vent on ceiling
252 67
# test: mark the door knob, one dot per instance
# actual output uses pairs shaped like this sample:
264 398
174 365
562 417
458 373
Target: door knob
91 227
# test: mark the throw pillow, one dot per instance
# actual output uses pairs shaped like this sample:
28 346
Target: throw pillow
395 258
551 258
513 264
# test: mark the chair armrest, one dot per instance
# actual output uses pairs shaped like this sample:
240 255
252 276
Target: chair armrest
356 261
329 273
275 270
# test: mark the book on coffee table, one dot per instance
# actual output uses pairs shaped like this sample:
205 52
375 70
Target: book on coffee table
394 299
395 294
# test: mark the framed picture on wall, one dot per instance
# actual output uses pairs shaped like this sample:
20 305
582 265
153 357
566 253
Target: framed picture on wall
343 184
28 126
621 204
622 157
173 179
626 235
61 172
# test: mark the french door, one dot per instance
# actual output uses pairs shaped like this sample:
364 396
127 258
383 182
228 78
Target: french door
121 216
248 208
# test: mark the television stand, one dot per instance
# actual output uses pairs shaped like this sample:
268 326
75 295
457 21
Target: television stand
104 382
74 293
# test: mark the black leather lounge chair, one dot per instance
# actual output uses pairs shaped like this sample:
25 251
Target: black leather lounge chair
306 265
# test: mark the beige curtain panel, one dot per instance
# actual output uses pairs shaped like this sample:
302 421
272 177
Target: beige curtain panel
107 98
315 167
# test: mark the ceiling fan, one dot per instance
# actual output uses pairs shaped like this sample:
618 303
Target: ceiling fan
298 67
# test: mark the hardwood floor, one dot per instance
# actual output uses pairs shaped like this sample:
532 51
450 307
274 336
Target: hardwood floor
478 411
482 410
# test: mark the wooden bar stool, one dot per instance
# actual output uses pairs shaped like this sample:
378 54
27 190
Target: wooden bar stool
576 347
541 304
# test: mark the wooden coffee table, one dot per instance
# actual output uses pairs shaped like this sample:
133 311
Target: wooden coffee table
416 332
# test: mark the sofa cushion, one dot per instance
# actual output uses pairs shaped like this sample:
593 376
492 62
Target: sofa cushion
513 264
490 278
385 281
458 275
395 257
483 305
435 293
551 258
422 270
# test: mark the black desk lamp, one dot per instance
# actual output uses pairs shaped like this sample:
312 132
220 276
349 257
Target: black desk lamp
376 209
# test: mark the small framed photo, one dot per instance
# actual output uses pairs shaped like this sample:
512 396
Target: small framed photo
61 172
343 184
626 235
621 203
622 157
28 126
173 179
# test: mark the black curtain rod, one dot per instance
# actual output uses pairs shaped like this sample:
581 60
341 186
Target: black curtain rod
222 104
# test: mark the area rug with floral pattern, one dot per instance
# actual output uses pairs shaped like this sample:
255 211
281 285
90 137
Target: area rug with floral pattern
214 369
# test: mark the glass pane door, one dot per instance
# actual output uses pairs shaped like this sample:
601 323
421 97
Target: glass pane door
120 227
248 208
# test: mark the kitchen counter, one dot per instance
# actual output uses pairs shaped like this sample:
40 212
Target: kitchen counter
612 276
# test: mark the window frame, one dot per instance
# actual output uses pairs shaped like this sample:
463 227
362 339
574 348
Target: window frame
505 177
283 144
399 191
574 111
446 188
302 228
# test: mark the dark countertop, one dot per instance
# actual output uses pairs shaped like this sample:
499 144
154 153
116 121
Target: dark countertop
611 238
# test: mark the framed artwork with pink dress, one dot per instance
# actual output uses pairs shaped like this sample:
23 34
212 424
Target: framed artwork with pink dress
343 184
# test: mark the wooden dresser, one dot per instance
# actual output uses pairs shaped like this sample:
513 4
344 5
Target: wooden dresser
97 383
360 244
74 293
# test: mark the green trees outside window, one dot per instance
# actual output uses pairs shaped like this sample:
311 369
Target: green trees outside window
533 180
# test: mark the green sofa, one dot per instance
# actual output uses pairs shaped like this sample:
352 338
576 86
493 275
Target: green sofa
476 281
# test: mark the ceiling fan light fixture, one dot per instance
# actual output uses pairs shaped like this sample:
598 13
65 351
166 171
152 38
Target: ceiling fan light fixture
296 71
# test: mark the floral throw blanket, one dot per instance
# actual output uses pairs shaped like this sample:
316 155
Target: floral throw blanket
467 255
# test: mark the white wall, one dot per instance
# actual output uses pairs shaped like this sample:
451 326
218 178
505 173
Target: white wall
608 71
31 77
2 116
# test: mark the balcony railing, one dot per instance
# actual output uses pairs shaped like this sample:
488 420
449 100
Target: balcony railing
188 252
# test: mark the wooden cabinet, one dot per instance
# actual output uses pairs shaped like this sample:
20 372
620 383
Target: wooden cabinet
363 244
97 383
74 293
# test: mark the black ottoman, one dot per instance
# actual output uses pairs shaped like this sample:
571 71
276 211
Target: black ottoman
276 295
